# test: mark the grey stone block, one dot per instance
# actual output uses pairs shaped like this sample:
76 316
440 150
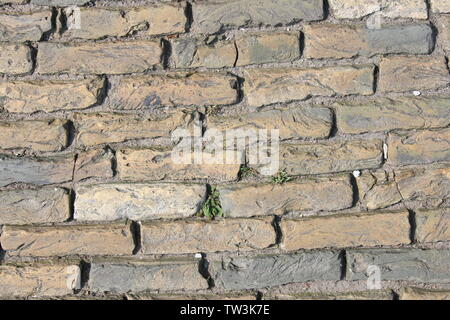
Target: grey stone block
400 264
121 277
273 270
212 17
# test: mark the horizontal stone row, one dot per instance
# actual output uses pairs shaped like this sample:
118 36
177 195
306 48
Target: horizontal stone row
248 49
261 86
153 164
122 275
227 235
416 187
313 122
377 189
57 169
209 16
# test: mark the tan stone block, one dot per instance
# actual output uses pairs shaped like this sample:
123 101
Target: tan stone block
100 128
98 58
246 200
36 135
49 96
220 55
15 59
424 294
429 187
433 225
384 114
443 24
173 89
39 281
382 196
346 231
408 73
93 164
354 295
295 123
267 86
179 237
356 9
37 171
152 164
267 47
440 6
25 27
28 206
115 201
300 159
348 41
116 239
154 20
420 147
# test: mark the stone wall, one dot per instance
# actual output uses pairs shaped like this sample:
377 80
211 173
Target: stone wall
92 206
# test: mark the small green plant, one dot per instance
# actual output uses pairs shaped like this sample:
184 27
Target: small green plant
281 177
212 207
245 171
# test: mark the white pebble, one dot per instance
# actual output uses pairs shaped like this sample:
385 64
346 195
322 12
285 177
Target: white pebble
417 93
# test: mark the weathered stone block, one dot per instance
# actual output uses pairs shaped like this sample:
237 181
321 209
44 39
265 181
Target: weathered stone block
427 187
246 200
303 159
152 164
346 41
173 89
385 114
101 128
340 231
400 264
440 6
443 24
179 237
15 59
58 169
433 225
420 147
27 206
295 123
424 294
266 271
138 201
36 135
26 27
356 9
59 3
38 171
267 86
377 190
115 239
39 281
123 276
154 20
211 17
49 95
408 73
98 58
246 49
